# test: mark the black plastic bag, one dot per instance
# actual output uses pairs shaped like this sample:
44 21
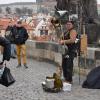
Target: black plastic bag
93 79
7 78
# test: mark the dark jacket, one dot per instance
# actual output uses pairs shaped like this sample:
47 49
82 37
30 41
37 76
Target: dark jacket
9 34
20 35
7 48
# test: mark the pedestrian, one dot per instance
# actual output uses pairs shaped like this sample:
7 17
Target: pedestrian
9 35
67 59
20 36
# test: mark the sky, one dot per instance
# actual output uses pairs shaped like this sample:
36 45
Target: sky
11 1
98 1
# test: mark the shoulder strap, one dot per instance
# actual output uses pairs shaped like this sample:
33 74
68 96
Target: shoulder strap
68 32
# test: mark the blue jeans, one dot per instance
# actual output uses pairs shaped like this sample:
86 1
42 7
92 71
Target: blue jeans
13 50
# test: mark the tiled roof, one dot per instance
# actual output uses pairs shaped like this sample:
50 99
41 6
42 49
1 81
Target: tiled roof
28 27
4 23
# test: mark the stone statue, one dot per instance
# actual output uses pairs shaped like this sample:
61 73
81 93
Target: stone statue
90 8
89 15
62 4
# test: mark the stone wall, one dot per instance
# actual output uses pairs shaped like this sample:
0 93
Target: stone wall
50 51
47 51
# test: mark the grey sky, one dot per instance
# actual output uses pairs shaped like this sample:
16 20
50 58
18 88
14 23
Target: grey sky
98 1
12 1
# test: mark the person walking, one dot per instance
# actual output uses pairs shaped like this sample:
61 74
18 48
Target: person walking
20 37
9 35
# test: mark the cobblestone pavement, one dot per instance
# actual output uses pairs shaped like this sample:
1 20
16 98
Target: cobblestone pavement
28 84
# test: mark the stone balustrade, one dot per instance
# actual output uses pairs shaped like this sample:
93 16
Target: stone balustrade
44 50
51 51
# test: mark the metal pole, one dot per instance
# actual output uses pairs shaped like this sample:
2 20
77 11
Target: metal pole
80 12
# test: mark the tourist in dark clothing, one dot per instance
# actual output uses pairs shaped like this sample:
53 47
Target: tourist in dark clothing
9 35
67 59
20 37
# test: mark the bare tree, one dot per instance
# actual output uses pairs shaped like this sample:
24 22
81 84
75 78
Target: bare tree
8 10
0 10
88 12
63 4
24 10
18 11
30 11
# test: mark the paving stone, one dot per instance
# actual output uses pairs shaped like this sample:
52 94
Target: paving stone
28 84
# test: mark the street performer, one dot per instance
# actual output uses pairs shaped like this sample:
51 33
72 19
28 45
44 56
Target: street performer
69 39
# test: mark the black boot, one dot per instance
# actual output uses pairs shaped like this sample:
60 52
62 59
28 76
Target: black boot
25 65
19 65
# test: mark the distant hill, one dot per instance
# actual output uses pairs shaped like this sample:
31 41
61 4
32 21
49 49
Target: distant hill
45 1
32 7
17 3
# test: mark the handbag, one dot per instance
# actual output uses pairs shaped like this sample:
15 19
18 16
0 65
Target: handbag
7 79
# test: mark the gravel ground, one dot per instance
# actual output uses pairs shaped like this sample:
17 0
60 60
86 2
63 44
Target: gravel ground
28 84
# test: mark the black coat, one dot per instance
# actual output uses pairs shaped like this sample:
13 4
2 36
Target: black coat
7 48
9 34
20 35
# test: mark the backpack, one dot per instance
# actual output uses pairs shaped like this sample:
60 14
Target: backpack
9 36
77 44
